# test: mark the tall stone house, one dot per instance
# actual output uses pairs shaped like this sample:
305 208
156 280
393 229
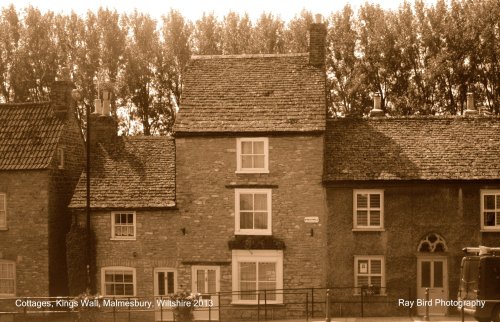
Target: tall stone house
41 158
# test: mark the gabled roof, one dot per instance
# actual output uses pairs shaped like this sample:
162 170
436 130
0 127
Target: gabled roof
29 133
252 93
424 148
132 172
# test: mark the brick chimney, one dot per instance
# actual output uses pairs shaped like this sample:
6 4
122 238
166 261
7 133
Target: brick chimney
471 108
377 111
60 95
317 41
103 126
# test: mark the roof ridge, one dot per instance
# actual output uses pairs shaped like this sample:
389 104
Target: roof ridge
14 104
418 118
242 56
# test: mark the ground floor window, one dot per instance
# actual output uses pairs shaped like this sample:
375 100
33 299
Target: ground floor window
255 271
7 278
369 274
118 281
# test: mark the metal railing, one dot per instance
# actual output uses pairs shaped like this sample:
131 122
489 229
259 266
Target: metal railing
266 305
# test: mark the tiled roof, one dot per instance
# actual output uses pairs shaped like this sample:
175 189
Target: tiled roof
429 148
252 93
133 172
29 133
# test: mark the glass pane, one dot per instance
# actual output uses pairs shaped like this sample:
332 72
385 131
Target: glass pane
489 219
108 277
438 274
376 280
161 283
246 147
258 161
270 295
260 201
362 280
129 289
260 220
119 289
362 200
489 202
128 278
2 202
498 218
374 218
258 147
248 271
376 266
246 201
2 218
130 219
362 267
246 220
170 283
117 218
211 275
362 218
200 281
374 201
267 272
109 289
248 291
246 161
497 205
425 274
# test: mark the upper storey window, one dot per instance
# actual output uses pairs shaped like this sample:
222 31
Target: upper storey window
490 210
252 155
368 209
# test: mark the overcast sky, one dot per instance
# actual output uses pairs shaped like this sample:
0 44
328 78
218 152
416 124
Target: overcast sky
193 9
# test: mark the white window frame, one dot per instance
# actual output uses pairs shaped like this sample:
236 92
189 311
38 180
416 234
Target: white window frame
60 158
165 270
4 210
369 258
237 229
496 193
275 256
357 192
12 264
117 269
113 236
239 168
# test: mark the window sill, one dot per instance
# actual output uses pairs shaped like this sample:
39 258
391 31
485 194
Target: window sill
4 228
253 233
123 239
251 172
368 229
489 230
378 295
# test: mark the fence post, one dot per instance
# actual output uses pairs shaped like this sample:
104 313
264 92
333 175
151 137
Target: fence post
462 312
307 307
409 299
312 303
265 305
258 306
24 310
129 310
362 302
209 310
426 317
219 306
327 308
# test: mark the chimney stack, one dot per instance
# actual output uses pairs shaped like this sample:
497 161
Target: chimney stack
317 41
377 111
471 109
61 99
103 126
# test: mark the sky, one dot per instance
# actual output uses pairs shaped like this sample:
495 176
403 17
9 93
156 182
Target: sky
193 9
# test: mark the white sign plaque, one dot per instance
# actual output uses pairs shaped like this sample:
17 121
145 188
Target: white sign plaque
311 220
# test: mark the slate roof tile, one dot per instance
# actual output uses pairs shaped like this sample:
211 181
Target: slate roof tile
134 172
425 148
29 133
252 93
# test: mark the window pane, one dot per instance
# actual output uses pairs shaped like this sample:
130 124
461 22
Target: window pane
200 277
362 218
374 200
246 161
260 220
489 202
376 267
362 280
170 283
258 147
267 272
248 271
426 274
376 281
246 147
119 289
130 219
246 201
374 218
362 201
489 219
497 205
246 220
129 289
248 291
498 218
438 274
161 283
211 276
110 289
260 200
117 218
2 202
108 277
2 218
258 161
269 296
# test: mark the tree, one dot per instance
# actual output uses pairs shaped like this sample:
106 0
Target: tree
236 34
296 32
268 35
207 36
10 35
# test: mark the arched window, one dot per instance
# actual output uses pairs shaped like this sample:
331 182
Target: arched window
432 243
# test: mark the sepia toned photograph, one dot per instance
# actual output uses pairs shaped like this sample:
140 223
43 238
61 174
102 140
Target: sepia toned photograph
298 161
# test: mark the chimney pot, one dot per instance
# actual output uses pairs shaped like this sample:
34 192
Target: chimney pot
97 105
471 109
318 18
377 111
